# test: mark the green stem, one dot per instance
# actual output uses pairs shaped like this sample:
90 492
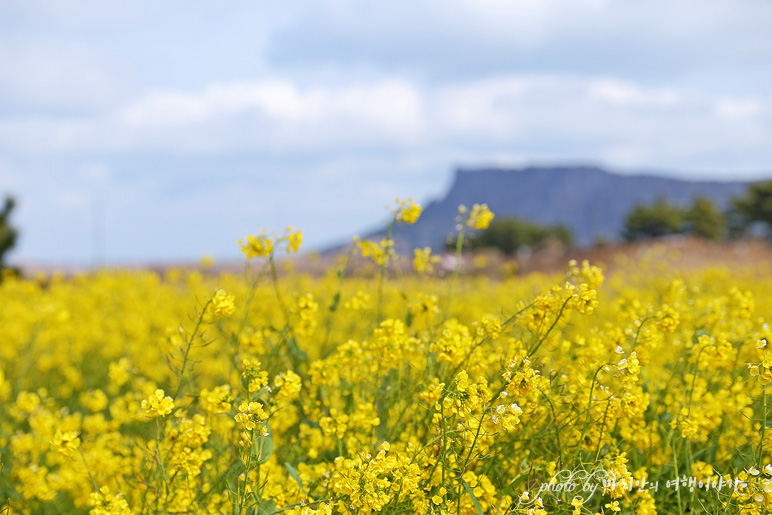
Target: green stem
678 490
163 482
466 461
456 267
252 290
638 332
382 275
335 305
88 469
602 426
275 281
242 496
763 428
188 346
533 349
303 504
589 410
557 425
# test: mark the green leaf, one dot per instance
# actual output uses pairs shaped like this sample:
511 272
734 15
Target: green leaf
262 447
296 476
510 488
474 498
335 302
297 354
267 508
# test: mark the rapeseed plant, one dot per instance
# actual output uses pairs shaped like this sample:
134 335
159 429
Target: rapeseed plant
641 393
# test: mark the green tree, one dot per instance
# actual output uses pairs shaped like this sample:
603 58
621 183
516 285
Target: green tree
509 234
8 234
653 221
704 219
754 206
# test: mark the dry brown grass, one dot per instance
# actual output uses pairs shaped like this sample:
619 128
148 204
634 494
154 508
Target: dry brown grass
677 252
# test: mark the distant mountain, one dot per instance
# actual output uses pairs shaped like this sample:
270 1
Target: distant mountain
591 201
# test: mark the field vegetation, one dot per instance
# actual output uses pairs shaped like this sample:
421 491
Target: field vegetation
406 391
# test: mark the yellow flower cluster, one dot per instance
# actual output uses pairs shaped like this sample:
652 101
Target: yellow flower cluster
262 245
380 253
305 309
250 415
66 443
480 217
104 503
158 404
407 211
288 385
223 305
341 394
423 261
294 239
257 245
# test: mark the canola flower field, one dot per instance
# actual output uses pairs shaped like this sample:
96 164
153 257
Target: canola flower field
263 393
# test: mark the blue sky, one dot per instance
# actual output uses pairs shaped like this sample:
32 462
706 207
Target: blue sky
156 131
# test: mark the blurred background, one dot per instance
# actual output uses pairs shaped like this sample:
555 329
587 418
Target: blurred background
150 132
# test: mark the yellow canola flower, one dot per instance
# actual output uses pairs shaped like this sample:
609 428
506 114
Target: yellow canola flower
423 261
5 387
577 503
66 443
480 217
223 305
27 401
257 245
289 385
292 401
216 400
322 509
379 252
158 404
94 400
294 239
408 211
250 414
119 372
105 503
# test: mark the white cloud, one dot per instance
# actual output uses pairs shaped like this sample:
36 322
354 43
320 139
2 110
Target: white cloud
74 13
515 113
656 40
625 94
161 106
487 107
273 115
96 173
738 108
51 77
393 105
74 199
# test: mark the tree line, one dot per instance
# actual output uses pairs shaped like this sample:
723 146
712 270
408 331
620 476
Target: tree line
8 234
744 215
748 214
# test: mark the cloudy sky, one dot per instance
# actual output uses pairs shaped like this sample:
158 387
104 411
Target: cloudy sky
152 131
